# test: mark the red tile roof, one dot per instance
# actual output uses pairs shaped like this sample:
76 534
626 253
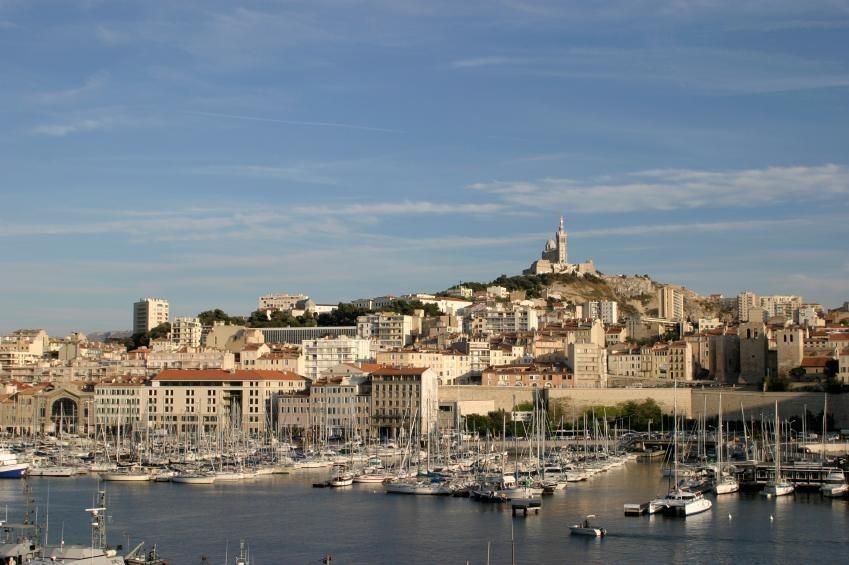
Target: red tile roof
222 375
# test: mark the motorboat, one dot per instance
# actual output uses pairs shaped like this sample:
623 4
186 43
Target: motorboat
10 467
585 528
835 484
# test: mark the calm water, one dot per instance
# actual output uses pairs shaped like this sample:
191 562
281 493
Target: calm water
284 520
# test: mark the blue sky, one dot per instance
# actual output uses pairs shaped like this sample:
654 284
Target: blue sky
209 152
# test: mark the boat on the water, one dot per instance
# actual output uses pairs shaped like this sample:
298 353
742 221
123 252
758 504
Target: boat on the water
835 484
585 528
10 467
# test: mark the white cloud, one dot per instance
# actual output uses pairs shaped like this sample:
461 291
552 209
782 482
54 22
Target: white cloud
673 189
92 83
705 69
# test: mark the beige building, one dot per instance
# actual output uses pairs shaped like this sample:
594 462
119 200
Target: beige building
403 399
388 329
46 408
186 331
754 352
843 366
670 303
285 359
790 344
504 318
588 362
208 401
534 375
23 347
121 405
149 313
449 366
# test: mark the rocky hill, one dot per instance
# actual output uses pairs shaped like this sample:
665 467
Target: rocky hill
636 294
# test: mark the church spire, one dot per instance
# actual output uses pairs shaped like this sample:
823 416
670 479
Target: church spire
561 223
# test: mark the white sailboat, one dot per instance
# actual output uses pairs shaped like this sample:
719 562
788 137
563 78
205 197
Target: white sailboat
778 486
679 501
726 483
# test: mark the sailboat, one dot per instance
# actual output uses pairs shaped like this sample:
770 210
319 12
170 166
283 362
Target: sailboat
725 482
778 486
680 501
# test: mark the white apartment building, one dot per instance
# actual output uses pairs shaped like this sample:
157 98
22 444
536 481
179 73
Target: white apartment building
604 310
377 303
448 365
22 348
781 305
588 362
501 318
325 353
389 330
186 331
121 405
746 301
149 313
670 303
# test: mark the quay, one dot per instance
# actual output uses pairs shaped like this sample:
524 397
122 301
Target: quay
802 474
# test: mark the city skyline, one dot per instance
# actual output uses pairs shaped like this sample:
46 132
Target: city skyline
210 153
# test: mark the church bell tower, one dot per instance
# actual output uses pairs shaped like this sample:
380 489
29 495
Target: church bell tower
562 244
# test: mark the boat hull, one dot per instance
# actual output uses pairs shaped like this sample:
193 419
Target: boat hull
15 471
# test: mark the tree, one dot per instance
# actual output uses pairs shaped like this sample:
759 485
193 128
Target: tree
776 384
797 372
207 317
343 315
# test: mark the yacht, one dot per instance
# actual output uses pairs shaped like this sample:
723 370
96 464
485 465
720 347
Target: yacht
10 467
835 484
726 483
681 502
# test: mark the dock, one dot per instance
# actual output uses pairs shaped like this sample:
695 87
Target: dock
525 506
636 509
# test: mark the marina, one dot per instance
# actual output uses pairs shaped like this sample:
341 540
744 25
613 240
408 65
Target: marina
443 529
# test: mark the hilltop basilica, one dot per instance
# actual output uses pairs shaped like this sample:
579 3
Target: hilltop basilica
555 257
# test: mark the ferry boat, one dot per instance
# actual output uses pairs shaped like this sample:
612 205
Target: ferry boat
10 467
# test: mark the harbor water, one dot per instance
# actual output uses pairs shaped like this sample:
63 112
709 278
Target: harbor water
283 520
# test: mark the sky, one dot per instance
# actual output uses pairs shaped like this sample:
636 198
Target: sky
209 152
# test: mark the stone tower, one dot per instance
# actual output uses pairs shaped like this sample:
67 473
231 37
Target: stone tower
562 244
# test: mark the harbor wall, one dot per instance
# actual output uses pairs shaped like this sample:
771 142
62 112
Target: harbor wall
691 402
755 404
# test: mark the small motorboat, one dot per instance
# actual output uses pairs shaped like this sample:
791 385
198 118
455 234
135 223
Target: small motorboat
585 528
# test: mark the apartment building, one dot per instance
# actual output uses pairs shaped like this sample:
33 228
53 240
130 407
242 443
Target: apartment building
186 331
670 303
209 401
403 399
389 330
149 313
325 353
534 375
449 366
604 310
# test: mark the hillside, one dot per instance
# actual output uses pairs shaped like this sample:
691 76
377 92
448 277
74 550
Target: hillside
636 294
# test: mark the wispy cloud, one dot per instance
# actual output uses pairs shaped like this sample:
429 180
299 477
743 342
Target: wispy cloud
673 189
92 83
293 122
706 69
97 120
